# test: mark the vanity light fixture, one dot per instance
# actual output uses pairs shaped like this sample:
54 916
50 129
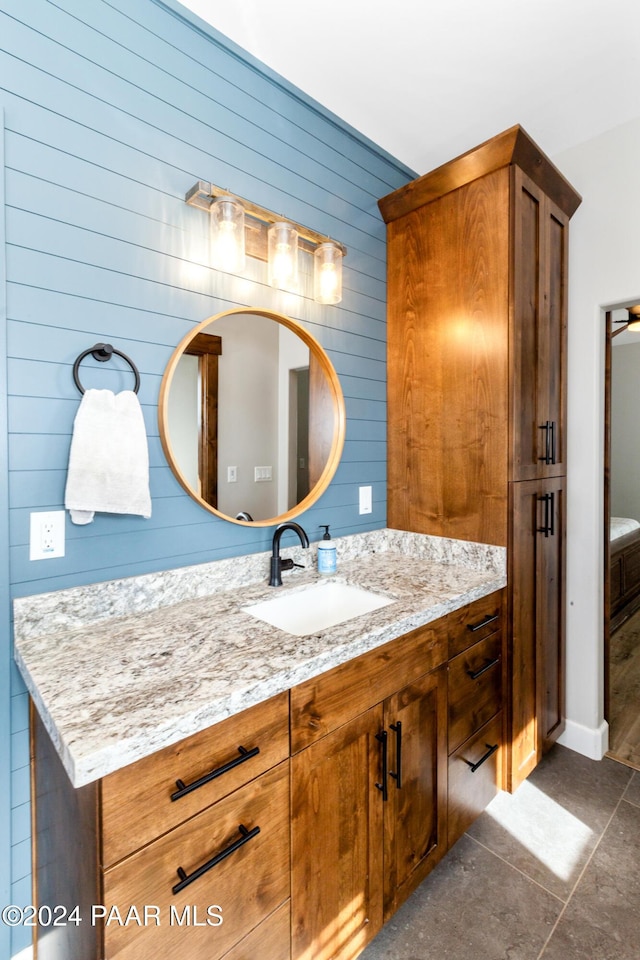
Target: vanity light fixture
226 234
267 236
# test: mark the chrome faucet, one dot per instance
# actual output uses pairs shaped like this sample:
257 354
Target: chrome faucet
277 564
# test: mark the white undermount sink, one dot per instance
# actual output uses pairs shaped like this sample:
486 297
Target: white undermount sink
317 607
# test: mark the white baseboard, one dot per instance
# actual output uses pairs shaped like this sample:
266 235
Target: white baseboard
591 742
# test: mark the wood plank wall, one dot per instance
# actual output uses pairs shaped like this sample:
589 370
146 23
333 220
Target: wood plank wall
113 109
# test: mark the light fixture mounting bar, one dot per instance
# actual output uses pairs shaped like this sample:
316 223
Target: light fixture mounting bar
202 194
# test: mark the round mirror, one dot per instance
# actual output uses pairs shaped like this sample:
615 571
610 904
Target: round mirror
252 417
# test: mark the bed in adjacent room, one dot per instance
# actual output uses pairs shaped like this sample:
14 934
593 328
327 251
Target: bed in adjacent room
624 566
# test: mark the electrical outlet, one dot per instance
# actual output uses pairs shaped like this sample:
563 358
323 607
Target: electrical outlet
365 499
46 535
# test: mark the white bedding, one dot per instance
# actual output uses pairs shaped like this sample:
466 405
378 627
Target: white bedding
618 526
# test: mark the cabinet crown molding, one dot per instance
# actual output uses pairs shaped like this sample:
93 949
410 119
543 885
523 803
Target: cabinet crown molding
513 146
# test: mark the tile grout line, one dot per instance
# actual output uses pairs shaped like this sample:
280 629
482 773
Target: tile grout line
582 872
518 870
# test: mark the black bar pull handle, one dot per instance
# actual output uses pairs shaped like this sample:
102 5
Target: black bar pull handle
474 674
490 751
553 441
490 618
397 776
547 427
185 788
382 738
185 880
552 513
546 528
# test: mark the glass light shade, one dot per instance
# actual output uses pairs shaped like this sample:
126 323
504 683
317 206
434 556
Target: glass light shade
226 235
633 325
283 256
327 273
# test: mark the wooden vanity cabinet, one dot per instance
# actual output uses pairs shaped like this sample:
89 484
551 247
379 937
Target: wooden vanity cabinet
292 831
476 383
369 780
198 830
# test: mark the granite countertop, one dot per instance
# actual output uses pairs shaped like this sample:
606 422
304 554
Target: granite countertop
112 687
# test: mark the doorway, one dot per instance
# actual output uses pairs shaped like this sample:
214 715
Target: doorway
622 537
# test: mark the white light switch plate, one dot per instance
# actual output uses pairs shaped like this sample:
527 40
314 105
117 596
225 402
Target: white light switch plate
366 499
46 535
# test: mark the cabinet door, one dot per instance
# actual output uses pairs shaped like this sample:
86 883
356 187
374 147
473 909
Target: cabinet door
447 344
536 574
538 333
416 809
550 613
336 847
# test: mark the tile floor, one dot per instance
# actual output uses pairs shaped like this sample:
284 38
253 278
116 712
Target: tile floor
550 873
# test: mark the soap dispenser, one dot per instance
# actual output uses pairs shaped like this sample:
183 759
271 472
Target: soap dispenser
327 560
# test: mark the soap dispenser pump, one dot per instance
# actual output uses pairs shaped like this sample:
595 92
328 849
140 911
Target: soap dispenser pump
327 560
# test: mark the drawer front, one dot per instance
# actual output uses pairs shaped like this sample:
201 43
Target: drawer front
331 699
475 688
242 889
475 622
475 776
271 940
137 803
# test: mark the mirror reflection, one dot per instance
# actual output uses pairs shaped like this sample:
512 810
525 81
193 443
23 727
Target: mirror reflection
252 417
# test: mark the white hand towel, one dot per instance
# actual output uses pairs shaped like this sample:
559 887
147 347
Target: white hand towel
109 459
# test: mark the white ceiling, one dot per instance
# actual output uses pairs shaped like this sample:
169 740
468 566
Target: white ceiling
428 80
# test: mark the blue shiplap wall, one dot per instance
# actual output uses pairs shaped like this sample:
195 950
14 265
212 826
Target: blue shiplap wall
112 111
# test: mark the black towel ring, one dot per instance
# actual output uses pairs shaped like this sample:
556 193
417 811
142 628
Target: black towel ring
103 352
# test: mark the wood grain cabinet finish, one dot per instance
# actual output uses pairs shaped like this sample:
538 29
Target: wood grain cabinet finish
325 702
415 812
538 332
142 803
368 796
336 841
219 849
241 890
537 572
475 773
476 678
477 352
475 688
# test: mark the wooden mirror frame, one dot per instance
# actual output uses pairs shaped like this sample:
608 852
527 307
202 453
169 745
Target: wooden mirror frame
335 397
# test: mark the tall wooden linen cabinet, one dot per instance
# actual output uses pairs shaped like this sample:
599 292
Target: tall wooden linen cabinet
477 350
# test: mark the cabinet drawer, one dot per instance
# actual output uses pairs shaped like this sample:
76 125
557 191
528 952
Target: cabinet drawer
244 887
331 699
475 622
475 688
137 804
271 940
474 781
